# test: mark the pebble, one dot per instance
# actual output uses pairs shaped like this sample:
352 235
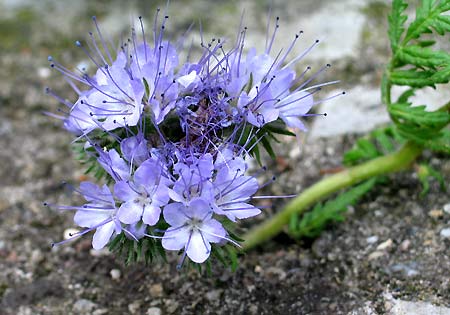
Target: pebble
445 233
385 245
171 306
154 311
83 306
375 255
436 213
404 246
400 307
213 295
69 232
447 208
134 307
115 274
101 311
372 239
408 270
99 252
156 290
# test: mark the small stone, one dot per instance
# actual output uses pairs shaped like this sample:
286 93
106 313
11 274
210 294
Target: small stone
115 274
171 306
445 233
99 252
436 213
134 307
213 295
83 306
156 290
375 255
254 309
447 208
43 72
385 245
278 272
154 311
258 269
372 239
101 311
23 310
68 233
404 246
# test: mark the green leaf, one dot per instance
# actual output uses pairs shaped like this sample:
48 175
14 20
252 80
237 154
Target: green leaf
404 97
313 222
420 78
426 173
440 143
429 17
396 22
423 57
377 143
416 123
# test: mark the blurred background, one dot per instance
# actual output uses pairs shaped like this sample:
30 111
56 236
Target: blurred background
334 274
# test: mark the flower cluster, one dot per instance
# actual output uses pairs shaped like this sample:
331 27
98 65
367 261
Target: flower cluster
175 139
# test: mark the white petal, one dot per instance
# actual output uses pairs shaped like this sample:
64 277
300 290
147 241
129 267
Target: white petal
175 240
174 214
129 212
151 214
198 248
90 218
102 235
213 231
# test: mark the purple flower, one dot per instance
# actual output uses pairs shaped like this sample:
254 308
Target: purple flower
135 149
113 163
99 214
233 189
143 196
192 228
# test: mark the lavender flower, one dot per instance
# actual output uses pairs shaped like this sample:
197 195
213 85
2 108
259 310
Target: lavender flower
192 228
176 138
144 196
98 214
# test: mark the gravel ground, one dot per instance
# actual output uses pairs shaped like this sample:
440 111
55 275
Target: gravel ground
392 246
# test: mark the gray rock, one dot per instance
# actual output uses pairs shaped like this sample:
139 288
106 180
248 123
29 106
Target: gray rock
83 306
400 307
154 311
358 111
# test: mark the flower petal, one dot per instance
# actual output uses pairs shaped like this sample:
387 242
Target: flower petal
102 235
129 212
198 249
151 214
174 214
175 240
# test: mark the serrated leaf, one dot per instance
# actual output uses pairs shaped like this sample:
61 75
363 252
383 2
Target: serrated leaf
404 97
429 17
423 57
382 141
416 123
418 78
440 143
396 22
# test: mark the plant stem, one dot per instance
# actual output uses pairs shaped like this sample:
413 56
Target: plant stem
394 162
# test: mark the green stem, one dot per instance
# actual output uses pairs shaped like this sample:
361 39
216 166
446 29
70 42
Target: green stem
386 164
